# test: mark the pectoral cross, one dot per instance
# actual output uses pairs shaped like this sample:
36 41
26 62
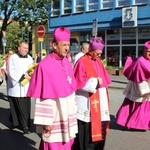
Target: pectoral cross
69 79
95 102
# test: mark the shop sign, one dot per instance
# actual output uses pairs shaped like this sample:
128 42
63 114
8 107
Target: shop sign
129 17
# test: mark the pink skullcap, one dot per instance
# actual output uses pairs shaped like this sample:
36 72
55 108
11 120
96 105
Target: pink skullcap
147 45
61 34
96 43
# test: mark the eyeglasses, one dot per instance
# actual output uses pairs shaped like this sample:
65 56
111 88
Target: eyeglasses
98 54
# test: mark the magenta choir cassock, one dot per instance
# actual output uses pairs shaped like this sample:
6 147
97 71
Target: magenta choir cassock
134 112
53 85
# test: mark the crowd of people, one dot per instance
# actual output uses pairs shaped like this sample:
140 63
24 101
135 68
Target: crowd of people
72 110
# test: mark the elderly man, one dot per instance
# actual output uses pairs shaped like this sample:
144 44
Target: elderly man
92 98
84 50
53 85
134 113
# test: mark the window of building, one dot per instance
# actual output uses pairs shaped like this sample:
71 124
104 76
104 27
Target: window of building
67 6
107 4
74 45
79 6
143 35
128 51
55 9
140 50
141 2
93 5
122 3
129 36
113 37
113 56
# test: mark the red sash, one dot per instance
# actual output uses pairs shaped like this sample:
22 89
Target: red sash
94 101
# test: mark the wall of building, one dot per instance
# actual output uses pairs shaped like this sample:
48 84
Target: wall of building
120 41
36 44
107 18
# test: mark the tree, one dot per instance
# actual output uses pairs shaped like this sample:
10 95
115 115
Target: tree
13 36
23 11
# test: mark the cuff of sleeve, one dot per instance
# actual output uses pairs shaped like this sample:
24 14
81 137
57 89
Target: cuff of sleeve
22 78
98 85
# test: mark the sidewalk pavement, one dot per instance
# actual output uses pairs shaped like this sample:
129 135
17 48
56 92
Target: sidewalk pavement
118 82
118 138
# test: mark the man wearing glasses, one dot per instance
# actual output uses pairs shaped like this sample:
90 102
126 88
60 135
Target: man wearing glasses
92 98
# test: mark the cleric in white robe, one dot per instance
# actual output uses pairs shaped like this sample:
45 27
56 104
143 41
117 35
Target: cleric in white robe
18 65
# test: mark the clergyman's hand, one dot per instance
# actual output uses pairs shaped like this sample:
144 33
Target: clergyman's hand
47 128
100 80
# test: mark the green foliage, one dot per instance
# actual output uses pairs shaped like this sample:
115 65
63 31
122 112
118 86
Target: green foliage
2 59
121 68
113 67
13 36
32 11
35 12
105 62
110 67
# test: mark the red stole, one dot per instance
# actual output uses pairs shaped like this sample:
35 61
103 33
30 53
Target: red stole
94 100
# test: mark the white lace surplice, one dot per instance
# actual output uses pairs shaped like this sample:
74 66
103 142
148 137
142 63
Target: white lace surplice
61 114
138 92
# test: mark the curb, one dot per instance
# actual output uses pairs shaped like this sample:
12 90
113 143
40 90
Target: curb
114 87
119 81
118 84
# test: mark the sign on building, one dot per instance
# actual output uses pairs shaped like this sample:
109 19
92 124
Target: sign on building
94 30
129 17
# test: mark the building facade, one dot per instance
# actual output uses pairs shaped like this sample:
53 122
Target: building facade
123 24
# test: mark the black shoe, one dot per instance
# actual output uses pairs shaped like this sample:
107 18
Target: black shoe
140 130
25 130
13 127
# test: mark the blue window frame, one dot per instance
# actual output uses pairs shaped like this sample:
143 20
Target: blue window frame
122 3
141 2
67 6
92 5
79 6
107 4
55 8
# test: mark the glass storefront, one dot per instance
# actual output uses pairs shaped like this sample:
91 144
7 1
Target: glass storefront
119 43
113 55
122 43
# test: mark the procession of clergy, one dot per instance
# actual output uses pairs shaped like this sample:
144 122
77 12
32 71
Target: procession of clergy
72 108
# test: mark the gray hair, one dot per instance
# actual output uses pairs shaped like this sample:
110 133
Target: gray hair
85 44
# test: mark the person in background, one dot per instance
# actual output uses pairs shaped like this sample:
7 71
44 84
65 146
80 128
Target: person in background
134 113
69 57
53 85
92 98
4 68
1 77
84 50
37 57
18 65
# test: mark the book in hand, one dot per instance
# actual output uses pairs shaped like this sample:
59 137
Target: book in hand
23 81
